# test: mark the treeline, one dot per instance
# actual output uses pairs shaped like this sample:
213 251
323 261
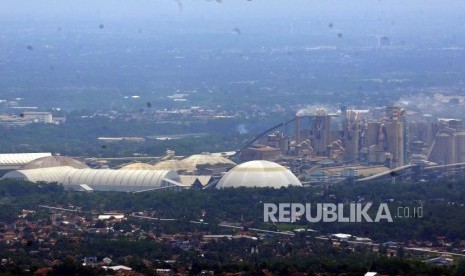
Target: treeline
443 202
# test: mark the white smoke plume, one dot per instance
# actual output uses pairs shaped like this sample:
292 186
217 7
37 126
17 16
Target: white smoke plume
242 129
431 104
309 110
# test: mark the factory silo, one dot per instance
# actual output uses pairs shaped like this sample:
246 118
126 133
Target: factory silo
351 144
372 133
460 137
297 129
321 134
445 149
401 137
395 142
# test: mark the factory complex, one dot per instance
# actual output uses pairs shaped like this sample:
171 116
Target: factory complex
359 145
315 147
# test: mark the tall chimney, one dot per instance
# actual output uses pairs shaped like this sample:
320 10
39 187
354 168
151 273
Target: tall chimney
297 129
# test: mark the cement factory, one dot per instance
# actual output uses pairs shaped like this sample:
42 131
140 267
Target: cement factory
348 137
313 148
361 144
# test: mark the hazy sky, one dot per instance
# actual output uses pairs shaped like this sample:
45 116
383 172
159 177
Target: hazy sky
130 44
225 9
404 20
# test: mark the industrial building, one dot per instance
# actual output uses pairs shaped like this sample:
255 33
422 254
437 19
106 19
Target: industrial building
317 146
76 175
260 152
448 146
100 180
363 141
350 136
261 174
9 161
207 163
38 117
29 117
134 177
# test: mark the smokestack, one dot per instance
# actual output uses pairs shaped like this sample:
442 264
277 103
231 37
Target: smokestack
297 129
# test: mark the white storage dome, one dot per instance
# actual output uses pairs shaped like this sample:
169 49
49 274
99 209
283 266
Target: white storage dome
260 174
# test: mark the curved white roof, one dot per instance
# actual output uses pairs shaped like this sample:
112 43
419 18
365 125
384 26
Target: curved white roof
53 174
100 180
260 174
20 158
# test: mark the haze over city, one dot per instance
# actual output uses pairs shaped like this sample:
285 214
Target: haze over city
177 137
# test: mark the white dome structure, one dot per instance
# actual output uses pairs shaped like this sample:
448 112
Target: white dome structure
261 174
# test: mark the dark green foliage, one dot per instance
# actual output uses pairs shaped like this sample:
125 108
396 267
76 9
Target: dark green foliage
443 210
444 215
78 136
